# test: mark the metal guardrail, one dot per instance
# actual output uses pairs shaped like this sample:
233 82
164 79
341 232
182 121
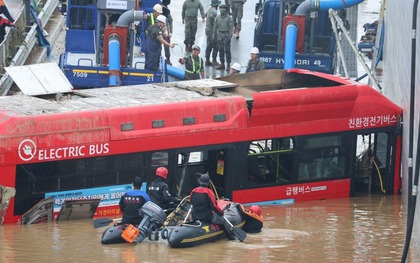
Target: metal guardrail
19 57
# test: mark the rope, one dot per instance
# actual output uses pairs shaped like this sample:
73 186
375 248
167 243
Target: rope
116 73
213 188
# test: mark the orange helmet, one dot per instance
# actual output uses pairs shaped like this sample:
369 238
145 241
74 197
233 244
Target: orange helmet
162 172
255 209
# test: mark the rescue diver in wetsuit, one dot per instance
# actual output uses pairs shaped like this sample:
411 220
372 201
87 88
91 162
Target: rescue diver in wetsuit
159 191
204 206
132 201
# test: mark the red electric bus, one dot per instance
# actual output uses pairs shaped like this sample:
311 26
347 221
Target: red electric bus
273 135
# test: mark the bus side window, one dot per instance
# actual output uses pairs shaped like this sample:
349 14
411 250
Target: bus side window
72 174
254 169
270 161
128 166
103 172
256 162
322 157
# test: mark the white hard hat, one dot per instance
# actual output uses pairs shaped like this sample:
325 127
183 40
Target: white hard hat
236 66
255 50
158 8
161 18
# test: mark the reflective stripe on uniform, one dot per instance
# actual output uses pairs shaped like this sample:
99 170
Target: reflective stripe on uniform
193 64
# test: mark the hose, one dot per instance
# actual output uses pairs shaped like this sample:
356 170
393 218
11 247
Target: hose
379 174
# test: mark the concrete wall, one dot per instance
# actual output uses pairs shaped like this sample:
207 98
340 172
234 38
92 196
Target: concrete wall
397 70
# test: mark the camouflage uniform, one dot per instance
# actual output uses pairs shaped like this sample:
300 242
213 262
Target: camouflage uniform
211 41
193 67
237 13
228 4
223 26
189 17
167 37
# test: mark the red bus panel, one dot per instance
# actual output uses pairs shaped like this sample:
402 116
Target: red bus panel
298 192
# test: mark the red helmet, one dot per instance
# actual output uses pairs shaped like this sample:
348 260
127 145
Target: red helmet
255 209
162 172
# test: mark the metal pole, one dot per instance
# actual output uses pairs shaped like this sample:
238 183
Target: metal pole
361 60
340 50
27 4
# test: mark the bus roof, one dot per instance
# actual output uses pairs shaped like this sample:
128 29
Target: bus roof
103 98
244 85
282 103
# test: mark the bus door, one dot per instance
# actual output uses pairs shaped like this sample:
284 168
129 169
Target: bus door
191 164
217 165
375 162
183 160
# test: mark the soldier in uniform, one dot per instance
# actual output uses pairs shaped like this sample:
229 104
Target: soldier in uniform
237 14
193 65
211 42
228 4
189 18
154 43
222 31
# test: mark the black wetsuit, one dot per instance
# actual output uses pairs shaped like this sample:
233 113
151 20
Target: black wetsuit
130 204
159 194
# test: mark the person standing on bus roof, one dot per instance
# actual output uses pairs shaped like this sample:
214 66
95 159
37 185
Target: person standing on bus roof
159 191
132 201
255 63
204 206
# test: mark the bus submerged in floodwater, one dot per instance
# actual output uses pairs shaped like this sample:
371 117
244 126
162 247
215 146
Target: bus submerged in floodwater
264 136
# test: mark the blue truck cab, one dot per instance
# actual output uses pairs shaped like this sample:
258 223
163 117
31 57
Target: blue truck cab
315 40
101 53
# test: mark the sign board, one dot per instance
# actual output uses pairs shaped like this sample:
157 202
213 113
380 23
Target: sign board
109 195
40 79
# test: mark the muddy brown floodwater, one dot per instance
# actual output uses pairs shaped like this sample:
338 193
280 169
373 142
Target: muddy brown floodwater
359 229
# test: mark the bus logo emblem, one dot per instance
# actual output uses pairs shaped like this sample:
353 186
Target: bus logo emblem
27 150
